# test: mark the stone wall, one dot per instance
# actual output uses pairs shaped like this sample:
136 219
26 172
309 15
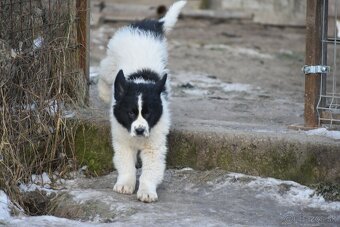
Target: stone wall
282 12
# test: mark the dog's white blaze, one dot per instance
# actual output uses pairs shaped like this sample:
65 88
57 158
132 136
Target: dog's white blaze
140 122
140 105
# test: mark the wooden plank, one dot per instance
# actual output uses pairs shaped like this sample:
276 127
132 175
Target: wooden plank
299 127
83 37
313 57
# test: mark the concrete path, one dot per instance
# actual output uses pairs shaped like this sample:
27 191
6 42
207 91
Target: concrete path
191 198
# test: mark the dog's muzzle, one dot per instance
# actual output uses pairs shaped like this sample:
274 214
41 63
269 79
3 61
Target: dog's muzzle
141 132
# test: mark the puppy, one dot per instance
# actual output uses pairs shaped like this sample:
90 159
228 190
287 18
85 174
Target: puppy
134 80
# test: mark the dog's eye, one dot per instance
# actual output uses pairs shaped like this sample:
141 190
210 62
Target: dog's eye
132 114
146 114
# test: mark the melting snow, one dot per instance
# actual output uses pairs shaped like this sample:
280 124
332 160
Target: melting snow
205 85
50 221
296 194
293 194
324 132
94 71
196 92
4 207
38 182
186 169
38 42
236 87
238 50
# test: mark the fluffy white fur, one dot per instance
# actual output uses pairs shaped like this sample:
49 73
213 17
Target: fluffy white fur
132 50
170 18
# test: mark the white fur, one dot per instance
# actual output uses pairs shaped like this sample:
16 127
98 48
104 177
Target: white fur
140 122
132 50
170 18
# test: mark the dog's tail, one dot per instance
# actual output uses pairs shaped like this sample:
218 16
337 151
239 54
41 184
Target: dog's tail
170 18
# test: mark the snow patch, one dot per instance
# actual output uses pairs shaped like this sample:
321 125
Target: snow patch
52 107
324 132
196 92
85 195
38 42
201 85
236 87
186 169
41 179
50 221
294 193
38 182
94 71
55 106
238 50
4 207
94 74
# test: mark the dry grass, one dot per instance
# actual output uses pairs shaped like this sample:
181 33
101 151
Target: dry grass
40 80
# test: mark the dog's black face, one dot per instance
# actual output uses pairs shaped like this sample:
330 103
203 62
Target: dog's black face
138 106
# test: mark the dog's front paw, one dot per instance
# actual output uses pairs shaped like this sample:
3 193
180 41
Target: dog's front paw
147 196
124 189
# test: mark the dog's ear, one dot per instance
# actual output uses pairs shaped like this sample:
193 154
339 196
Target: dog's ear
120 85
160 85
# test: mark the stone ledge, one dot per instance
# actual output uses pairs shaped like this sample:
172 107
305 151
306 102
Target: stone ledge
297 157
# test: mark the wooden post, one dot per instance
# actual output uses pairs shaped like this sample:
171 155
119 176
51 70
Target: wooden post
83 37
313 57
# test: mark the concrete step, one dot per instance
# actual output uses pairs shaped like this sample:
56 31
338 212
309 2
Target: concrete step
244 148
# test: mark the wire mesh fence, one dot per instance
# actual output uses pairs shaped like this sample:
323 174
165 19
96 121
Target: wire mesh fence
322 92
43 76
329 103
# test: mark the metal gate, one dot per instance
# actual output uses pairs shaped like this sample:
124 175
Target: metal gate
322 91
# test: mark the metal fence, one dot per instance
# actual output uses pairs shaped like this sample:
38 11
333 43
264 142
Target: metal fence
322 92
329 102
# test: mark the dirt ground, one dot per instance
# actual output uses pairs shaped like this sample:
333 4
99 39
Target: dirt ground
231 71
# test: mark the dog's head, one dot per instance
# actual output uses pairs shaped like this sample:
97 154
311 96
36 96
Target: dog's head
138 106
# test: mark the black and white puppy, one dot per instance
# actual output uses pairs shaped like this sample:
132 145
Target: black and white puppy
134 80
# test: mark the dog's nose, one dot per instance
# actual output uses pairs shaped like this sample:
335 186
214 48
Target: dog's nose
140 131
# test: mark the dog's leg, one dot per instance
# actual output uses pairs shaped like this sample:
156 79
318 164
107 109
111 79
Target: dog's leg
104 90
107 71
153 161
124 160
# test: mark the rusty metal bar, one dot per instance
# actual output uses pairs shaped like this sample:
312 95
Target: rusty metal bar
83 37
313 57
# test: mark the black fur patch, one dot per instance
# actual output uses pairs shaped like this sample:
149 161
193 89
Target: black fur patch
145 74
126 108
154 26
